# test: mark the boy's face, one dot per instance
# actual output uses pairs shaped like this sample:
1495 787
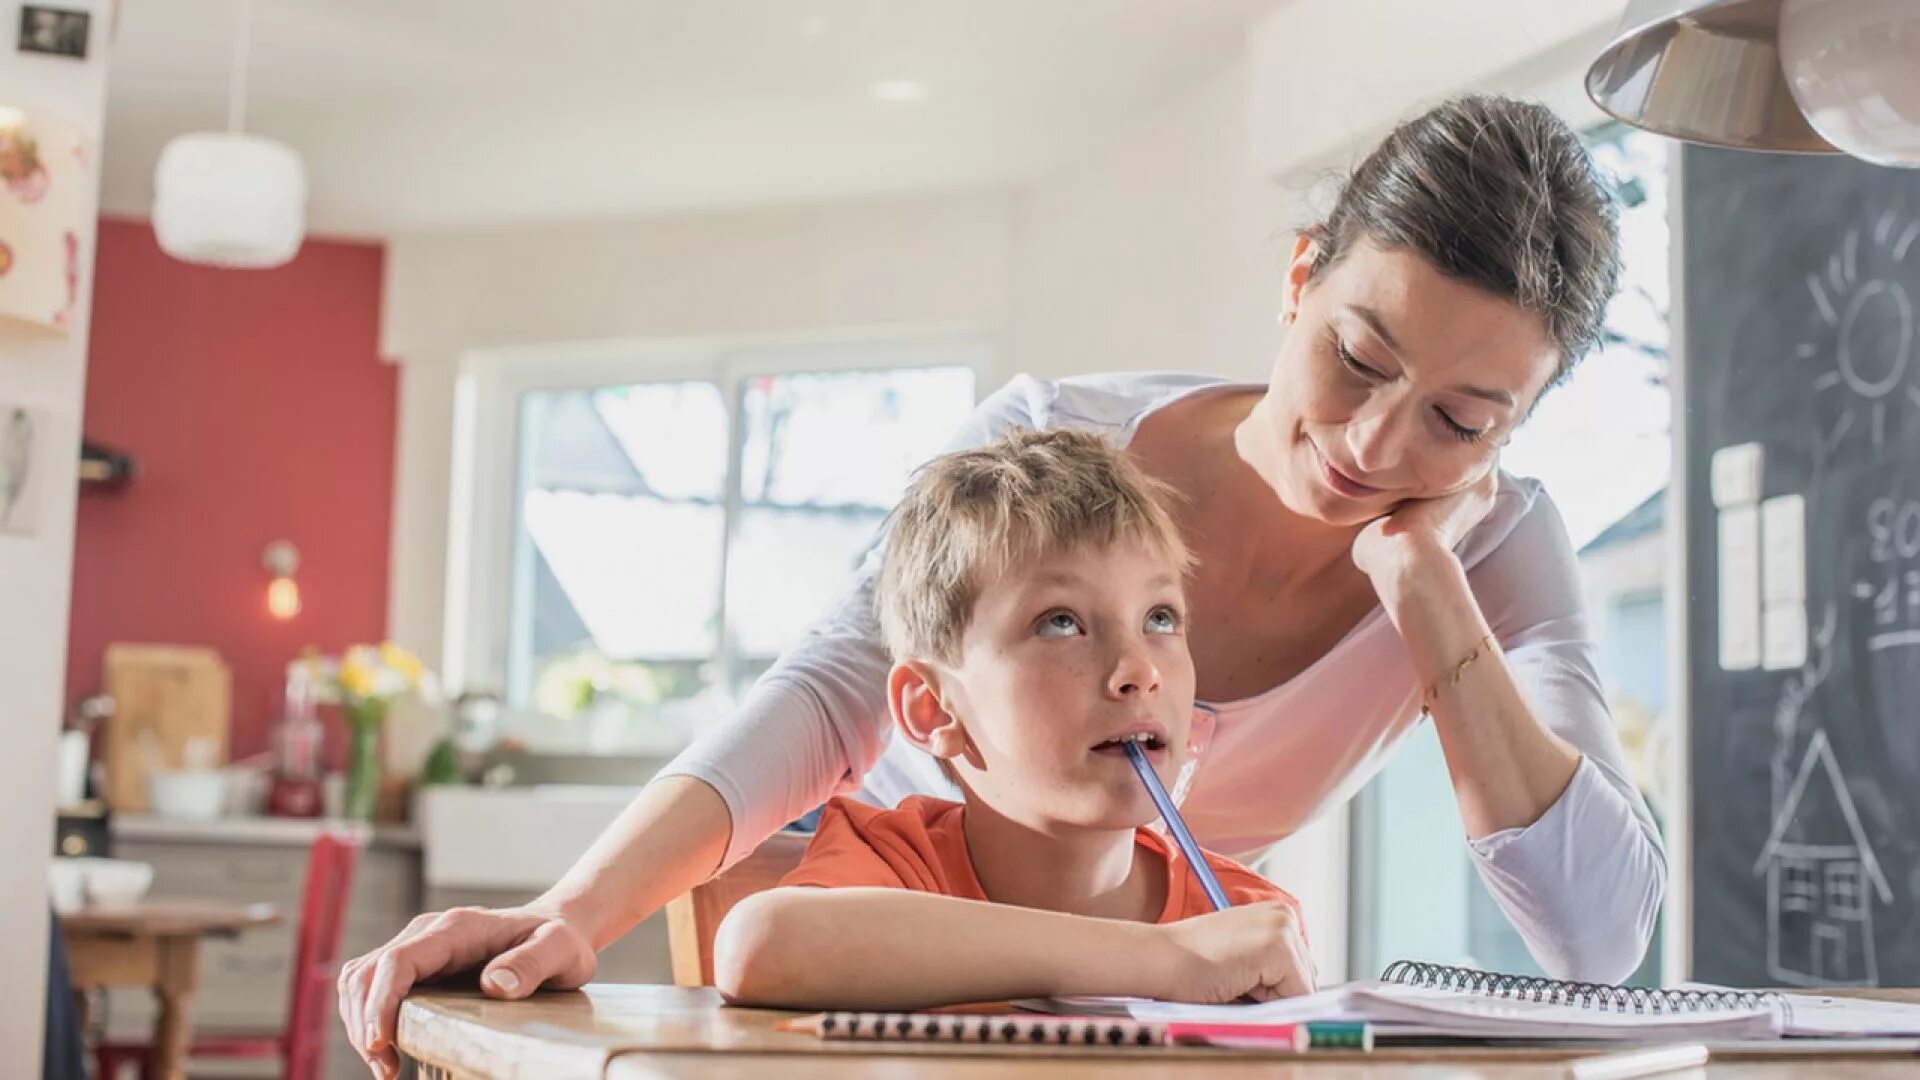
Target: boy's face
1065 656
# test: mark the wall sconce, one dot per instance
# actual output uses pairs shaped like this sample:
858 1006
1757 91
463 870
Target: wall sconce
43 206
282 559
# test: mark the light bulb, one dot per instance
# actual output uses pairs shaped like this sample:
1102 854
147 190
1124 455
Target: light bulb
1853 67
283 598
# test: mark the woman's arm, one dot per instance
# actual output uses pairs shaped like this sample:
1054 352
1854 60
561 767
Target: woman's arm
1559 834
877 948
1507 767
665 842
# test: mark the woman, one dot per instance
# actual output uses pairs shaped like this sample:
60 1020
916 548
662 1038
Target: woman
1361 563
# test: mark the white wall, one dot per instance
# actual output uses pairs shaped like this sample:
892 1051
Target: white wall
47 373
1164 250
1330 78
926 262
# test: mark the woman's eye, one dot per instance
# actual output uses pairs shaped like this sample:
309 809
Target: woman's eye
1353 363
1059 624
1460 431
1163 620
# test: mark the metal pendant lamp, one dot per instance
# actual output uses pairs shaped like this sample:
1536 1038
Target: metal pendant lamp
1808 76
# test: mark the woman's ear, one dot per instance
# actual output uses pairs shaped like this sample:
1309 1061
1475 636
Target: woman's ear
921 714
1306 253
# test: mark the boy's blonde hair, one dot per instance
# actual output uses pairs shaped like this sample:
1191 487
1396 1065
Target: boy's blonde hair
969 515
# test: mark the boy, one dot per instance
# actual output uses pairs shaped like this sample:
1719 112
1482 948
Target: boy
1032 597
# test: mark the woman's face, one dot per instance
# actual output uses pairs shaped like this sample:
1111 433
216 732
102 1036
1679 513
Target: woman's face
1395 382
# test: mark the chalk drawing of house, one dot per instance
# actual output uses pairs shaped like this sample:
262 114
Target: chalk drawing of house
1818 864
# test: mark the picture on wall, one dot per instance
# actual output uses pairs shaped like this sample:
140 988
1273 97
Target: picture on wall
54 31
43 209
23 467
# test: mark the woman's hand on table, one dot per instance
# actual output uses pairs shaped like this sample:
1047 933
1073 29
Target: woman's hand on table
1254 951
523 949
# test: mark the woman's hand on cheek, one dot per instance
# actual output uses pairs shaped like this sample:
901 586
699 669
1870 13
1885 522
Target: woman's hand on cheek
1423 524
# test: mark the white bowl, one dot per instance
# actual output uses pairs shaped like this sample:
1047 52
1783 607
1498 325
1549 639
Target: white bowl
79 882
187 794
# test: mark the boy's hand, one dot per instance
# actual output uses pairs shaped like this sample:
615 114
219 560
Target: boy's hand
1256 951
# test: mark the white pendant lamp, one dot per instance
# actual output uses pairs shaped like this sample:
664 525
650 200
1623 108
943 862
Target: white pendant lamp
228 198
1813 76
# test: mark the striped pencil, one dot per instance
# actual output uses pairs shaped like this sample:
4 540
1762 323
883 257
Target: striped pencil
1031 1030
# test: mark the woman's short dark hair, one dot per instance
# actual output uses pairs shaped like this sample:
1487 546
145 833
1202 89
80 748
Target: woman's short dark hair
1500 194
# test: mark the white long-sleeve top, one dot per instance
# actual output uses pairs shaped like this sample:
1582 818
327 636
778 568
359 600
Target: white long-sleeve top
1582 884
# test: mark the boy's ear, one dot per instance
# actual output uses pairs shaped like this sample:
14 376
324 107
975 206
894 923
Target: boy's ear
919 711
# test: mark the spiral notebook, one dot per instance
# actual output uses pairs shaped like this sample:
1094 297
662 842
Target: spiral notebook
1438 999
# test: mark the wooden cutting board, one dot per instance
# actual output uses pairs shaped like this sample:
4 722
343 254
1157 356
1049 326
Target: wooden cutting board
177 693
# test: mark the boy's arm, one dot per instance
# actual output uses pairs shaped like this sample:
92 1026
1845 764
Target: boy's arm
868 948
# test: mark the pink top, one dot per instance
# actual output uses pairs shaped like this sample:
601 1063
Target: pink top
1582 884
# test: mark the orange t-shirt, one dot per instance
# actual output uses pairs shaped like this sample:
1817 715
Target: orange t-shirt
920 845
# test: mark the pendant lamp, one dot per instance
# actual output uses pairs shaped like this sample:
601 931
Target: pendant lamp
1812 76
226 198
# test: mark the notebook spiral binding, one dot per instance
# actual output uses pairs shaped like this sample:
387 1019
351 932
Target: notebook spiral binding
1601 997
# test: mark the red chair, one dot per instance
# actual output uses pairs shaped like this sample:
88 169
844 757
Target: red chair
301 1048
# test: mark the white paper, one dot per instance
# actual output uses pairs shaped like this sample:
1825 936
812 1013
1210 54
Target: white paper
1737 472
1786 636
1431 1009
1740 588
1816 1014
1783 539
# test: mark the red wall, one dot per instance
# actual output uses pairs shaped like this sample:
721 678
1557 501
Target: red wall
258 408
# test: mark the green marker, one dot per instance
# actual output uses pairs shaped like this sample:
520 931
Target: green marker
1328 1036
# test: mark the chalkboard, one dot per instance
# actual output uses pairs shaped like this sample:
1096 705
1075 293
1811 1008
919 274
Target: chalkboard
1800 297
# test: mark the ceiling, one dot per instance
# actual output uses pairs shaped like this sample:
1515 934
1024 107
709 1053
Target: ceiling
429 114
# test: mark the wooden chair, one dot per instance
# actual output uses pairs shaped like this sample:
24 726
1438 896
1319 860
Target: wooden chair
693 917
301 1046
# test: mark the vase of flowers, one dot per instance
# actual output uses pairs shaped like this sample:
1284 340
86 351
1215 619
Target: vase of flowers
366 680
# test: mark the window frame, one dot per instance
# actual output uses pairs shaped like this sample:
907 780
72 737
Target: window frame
1843 897
1801 885
483 541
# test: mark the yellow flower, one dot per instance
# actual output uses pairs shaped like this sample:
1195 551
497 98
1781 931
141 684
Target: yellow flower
356 678
402 661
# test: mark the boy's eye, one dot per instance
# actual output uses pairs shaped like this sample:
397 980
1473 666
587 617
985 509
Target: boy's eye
1059 624
1163 620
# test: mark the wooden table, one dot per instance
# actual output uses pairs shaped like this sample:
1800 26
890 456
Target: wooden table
611 1032
156 945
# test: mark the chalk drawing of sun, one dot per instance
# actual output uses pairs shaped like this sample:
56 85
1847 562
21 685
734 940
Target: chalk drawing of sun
1866 327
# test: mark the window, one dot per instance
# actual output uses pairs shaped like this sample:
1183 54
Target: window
672 519
1843 890
1416 892
1799 885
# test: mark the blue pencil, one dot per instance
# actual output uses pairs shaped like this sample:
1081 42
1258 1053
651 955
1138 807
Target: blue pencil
1181 836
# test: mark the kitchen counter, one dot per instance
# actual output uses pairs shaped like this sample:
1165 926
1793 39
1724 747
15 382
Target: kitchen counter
291 832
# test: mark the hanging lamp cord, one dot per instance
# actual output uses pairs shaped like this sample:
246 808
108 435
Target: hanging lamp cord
237 77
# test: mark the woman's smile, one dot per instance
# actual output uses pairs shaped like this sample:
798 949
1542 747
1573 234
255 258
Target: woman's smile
1340 482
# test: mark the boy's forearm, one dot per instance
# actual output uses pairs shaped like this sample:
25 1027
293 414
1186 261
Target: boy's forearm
896 949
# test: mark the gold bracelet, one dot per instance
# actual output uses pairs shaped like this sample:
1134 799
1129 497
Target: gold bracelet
1452 677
